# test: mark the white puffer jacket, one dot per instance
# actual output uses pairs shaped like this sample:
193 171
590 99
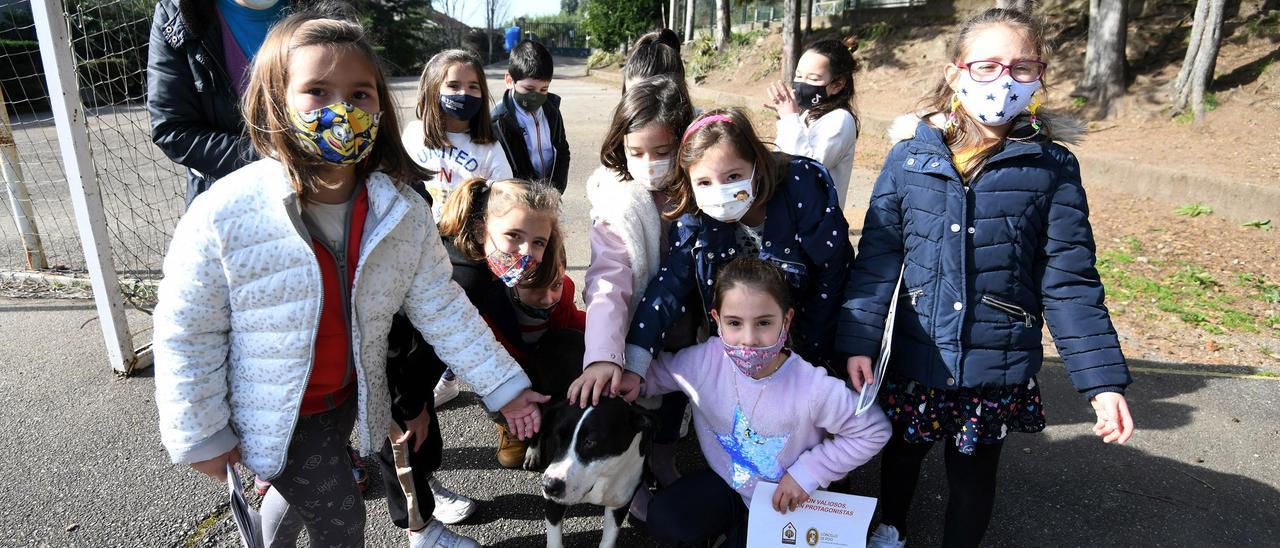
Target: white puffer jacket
240 304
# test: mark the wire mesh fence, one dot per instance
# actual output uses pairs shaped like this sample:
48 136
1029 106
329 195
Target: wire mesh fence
142 191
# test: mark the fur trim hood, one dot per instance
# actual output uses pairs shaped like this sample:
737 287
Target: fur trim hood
1055 126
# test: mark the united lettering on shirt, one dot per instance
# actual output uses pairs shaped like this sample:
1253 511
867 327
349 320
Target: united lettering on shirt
451 159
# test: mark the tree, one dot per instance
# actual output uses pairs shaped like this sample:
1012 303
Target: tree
723 28
1024 6
791 45
494 11
1201 58
689 11
672 22
569 6
610 23
1105 67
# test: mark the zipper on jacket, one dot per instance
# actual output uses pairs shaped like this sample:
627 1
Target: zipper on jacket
1028 318
300 227
914 294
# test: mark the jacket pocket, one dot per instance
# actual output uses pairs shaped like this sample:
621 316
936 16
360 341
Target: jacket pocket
797 274
1028 319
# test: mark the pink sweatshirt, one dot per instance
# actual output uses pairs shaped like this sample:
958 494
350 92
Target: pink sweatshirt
760 429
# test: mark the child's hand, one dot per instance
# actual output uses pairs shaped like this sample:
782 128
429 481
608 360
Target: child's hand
860 372
629 388
416 428
216 467
780 99
1114 423
523 417
595 379
789 495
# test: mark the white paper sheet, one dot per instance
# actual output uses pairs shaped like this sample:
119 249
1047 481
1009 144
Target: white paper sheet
867 398
248 521
827 519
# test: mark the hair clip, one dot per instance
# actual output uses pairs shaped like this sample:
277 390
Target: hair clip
702 122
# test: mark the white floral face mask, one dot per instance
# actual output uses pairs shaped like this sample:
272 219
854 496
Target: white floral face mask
997 102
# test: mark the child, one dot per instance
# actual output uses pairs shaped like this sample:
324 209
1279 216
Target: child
789 217
804 437
988 214
528 121
280 286
627 247
815 115
484 224
453 136
655 53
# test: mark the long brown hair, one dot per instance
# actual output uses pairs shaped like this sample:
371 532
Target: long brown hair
429 111
655 100
739 134
470 206
965 134
654 53
265 102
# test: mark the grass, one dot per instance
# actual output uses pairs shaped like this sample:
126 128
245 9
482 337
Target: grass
602 59
1261 224
705 58
1194 210
1079 102
1190 293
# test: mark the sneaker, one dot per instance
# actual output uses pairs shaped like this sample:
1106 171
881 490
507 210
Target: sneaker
435 535
260 486
510 449
451 507
886 536
446 390
358 472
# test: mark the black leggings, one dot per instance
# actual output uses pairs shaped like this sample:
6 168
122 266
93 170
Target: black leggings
971 485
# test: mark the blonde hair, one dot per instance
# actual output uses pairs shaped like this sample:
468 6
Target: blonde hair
435 136
265 102
471 205
966 134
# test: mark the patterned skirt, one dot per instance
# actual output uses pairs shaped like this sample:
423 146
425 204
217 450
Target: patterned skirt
971 416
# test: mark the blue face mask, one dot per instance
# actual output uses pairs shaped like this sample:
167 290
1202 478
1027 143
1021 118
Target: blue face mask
462 107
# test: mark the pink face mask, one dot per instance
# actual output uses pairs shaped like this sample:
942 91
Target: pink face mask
751 360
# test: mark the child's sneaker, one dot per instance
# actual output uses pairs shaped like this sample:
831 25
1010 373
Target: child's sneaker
886 536
446 390
435 535
451 507
358 472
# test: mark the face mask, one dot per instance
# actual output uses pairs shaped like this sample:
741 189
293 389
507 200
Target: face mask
462 107
725 203
809 95
530 310
650 174
340 133
997 102
508 267
751 360
530 101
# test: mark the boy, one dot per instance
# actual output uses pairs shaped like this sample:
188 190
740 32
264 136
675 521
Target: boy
528 122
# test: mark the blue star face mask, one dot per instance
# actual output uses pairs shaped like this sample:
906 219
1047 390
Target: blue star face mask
997 102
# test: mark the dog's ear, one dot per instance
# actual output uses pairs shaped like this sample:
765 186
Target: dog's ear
642 419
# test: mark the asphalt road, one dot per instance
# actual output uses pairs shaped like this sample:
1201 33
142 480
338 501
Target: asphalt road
83 466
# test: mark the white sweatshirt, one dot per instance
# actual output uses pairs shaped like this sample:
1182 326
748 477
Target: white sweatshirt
829 140
454 164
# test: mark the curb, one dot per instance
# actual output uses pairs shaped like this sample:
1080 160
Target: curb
1235 199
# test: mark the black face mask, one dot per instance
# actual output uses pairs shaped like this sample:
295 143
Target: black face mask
462 107
809 95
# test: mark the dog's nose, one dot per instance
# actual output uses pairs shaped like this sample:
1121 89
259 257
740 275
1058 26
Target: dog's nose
553 487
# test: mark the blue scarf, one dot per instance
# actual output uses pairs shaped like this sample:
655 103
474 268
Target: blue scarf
249 26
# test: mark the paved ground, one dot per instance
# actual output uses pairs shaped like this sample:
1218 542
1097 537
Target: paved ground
84 467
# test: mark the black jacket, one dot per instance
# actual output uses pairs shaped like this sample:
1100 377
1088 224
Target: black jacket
511 135
194 108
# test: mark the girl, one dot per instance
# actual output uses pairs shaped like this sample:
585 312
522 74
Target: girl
655 53
280 286
627 244
453 136
815 115
734 198
988 214
805 436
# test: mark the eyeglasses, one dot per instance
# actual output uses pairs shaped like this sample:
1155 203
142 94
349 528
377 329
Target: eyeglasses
1026 71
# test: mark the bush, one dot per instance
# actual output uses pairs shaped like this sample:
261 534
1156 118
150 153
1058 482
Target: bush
610 23
604 59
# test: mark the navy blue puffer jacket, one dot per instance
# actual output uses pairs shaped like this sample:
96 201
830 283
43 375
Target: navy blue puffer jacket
985 264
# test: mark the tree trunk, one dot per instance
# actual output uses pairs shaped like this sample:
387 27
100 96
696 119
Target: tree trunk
723 27
808 22
1024 6
1200 60
791 47
1104 62
488 35
689 10
672 22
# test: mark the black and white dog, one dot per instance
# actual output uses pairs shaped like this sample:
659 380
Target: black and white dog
593 456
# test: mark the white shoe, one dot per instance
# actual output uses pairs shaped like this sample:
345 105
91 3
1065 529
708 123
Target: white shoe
451 507
446 390
886 536
435 535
